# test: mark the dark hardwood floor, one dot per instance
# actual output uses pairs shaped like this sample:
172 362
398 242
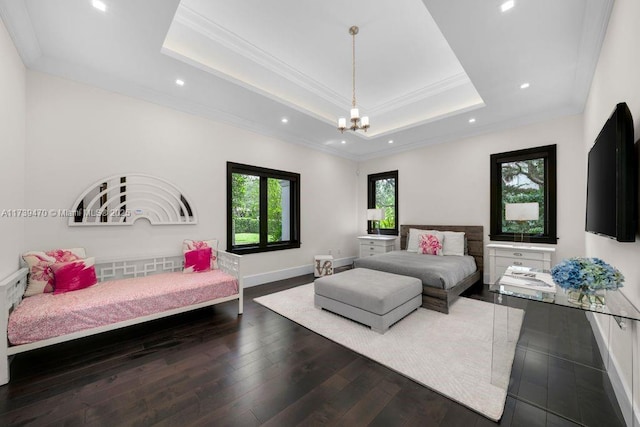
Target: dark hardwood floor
211 367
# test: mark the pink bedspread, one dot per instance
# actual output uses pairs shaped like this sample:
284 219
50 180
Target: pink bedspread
46 315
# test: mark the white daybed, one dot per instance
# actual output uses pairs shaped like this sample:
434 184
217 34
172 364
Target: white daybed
126 272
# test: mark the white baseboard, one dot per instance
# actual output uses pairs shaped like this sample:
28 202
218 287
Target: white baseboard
621 388
272 276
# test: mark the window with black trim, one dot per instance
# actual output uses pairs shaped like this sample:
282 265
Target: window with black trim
263 209
523 195
382 193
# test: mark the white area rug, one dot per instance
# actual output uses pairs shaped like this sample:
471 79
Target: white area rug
450 354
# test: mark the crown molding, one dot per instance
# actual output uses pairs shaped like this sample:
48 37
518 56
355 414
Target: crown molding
232 41
564 111
421 94
136 91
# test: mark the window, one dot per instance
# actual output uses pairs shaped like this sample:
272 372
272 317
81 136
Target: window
263 209
382 193
524 176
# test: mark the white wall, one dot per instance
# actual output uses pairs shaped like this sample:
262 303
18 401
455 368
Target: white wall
78 134
12 160
449 183
617 80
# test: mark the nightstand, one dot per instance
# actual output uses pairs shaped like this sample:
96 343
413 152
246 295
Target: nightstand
374 244
502 256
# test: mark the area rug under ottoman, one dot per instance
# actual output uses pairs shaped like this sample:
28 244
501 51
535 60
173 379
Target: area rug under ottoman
449 353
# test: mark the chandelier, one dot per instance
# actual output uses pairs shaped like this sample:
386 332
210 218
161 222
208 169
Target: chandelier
357 123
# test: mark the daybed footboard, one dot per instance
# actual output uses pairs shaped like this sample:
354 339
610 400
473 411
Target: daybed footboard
12 288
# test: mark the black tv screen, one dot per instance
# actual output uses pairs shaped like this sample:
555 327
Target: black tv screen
611 179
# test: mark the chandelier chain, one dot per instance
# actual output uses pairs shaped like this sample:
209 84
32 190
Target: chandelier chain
353 63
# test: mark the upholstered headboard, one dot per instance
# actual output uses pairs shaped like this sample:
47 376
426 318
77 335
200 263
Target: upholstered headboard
473 233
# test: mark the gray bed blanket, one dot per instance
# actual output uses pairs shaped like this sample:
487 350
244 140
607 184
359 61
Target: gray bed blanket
442 272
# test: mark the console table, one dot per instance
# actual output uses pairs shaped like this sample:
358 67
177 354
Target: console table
618 312
502 256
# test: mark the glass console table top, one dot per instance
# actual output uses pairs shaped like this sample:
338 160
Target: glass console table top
616 303
556 348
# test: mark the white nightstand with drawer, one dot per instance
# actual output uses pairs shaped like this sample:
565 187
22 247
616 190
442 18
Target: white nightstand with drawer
376 244
502 256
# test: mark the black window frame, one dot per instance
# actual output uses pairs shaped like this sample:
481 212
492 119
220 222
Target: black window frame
371 203
264 173
548 153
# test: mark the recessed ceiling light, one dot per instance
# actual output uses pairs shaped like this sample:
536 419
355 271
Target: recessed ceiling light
524 85
343 141
391 141
180 82
472 120
99 5
507 5
284 120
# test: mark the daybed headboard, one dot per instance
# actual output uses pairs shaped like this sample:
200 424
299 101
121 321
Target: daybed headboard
473 233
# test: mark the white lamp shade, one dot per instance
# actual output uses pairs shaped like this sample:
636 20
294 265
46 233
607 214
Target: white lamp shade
375 214
521 211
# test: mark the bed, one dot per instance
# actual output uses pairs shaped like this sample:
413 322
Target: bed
443 278
129 292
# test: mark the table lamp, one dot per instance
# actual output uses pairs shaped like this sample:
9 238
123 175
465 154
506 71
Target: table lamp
375 215
521 212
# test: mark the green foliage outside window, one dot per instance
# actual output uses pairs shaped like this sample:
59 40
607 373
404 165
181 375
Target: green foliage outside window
386 199
523 182
246 208
274 210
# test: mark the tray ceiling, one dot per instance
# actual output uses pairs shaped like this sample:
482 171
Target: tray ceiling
406 72
425 68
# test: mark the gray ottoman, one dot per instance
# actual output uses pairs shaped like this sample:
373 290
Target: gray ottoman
374 298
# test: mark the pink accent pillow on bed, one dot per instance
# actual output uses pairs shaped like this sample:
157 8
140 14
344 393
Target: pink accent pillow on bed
430 244
74 275
197 260
41 279
189 245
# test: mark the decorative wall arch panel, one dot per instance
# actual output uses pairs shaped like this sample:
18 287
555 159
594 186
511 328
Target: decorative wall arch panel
124 199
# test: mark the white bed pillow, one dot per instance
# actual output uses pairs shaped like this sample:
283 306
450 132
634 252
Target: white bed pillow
453 243
413 240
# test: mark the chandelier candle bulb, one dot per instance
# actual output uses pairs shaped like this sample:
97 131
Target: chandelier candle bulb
365 122
342 123
355 114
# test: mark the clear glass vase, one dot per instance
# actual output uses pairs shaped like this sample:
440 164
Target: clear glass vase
586 299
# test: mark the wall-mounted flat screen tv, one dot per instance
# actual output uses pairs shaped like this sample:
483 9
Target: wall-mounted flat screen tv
612 185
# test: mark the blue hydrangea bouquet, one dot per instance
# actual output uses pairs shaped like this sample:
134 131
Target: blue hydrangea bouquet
586 278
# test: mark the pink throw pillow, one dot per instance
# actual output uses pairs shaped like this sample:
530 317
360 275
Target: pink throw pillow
41 279
189 245
197 260
74 275
430 245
